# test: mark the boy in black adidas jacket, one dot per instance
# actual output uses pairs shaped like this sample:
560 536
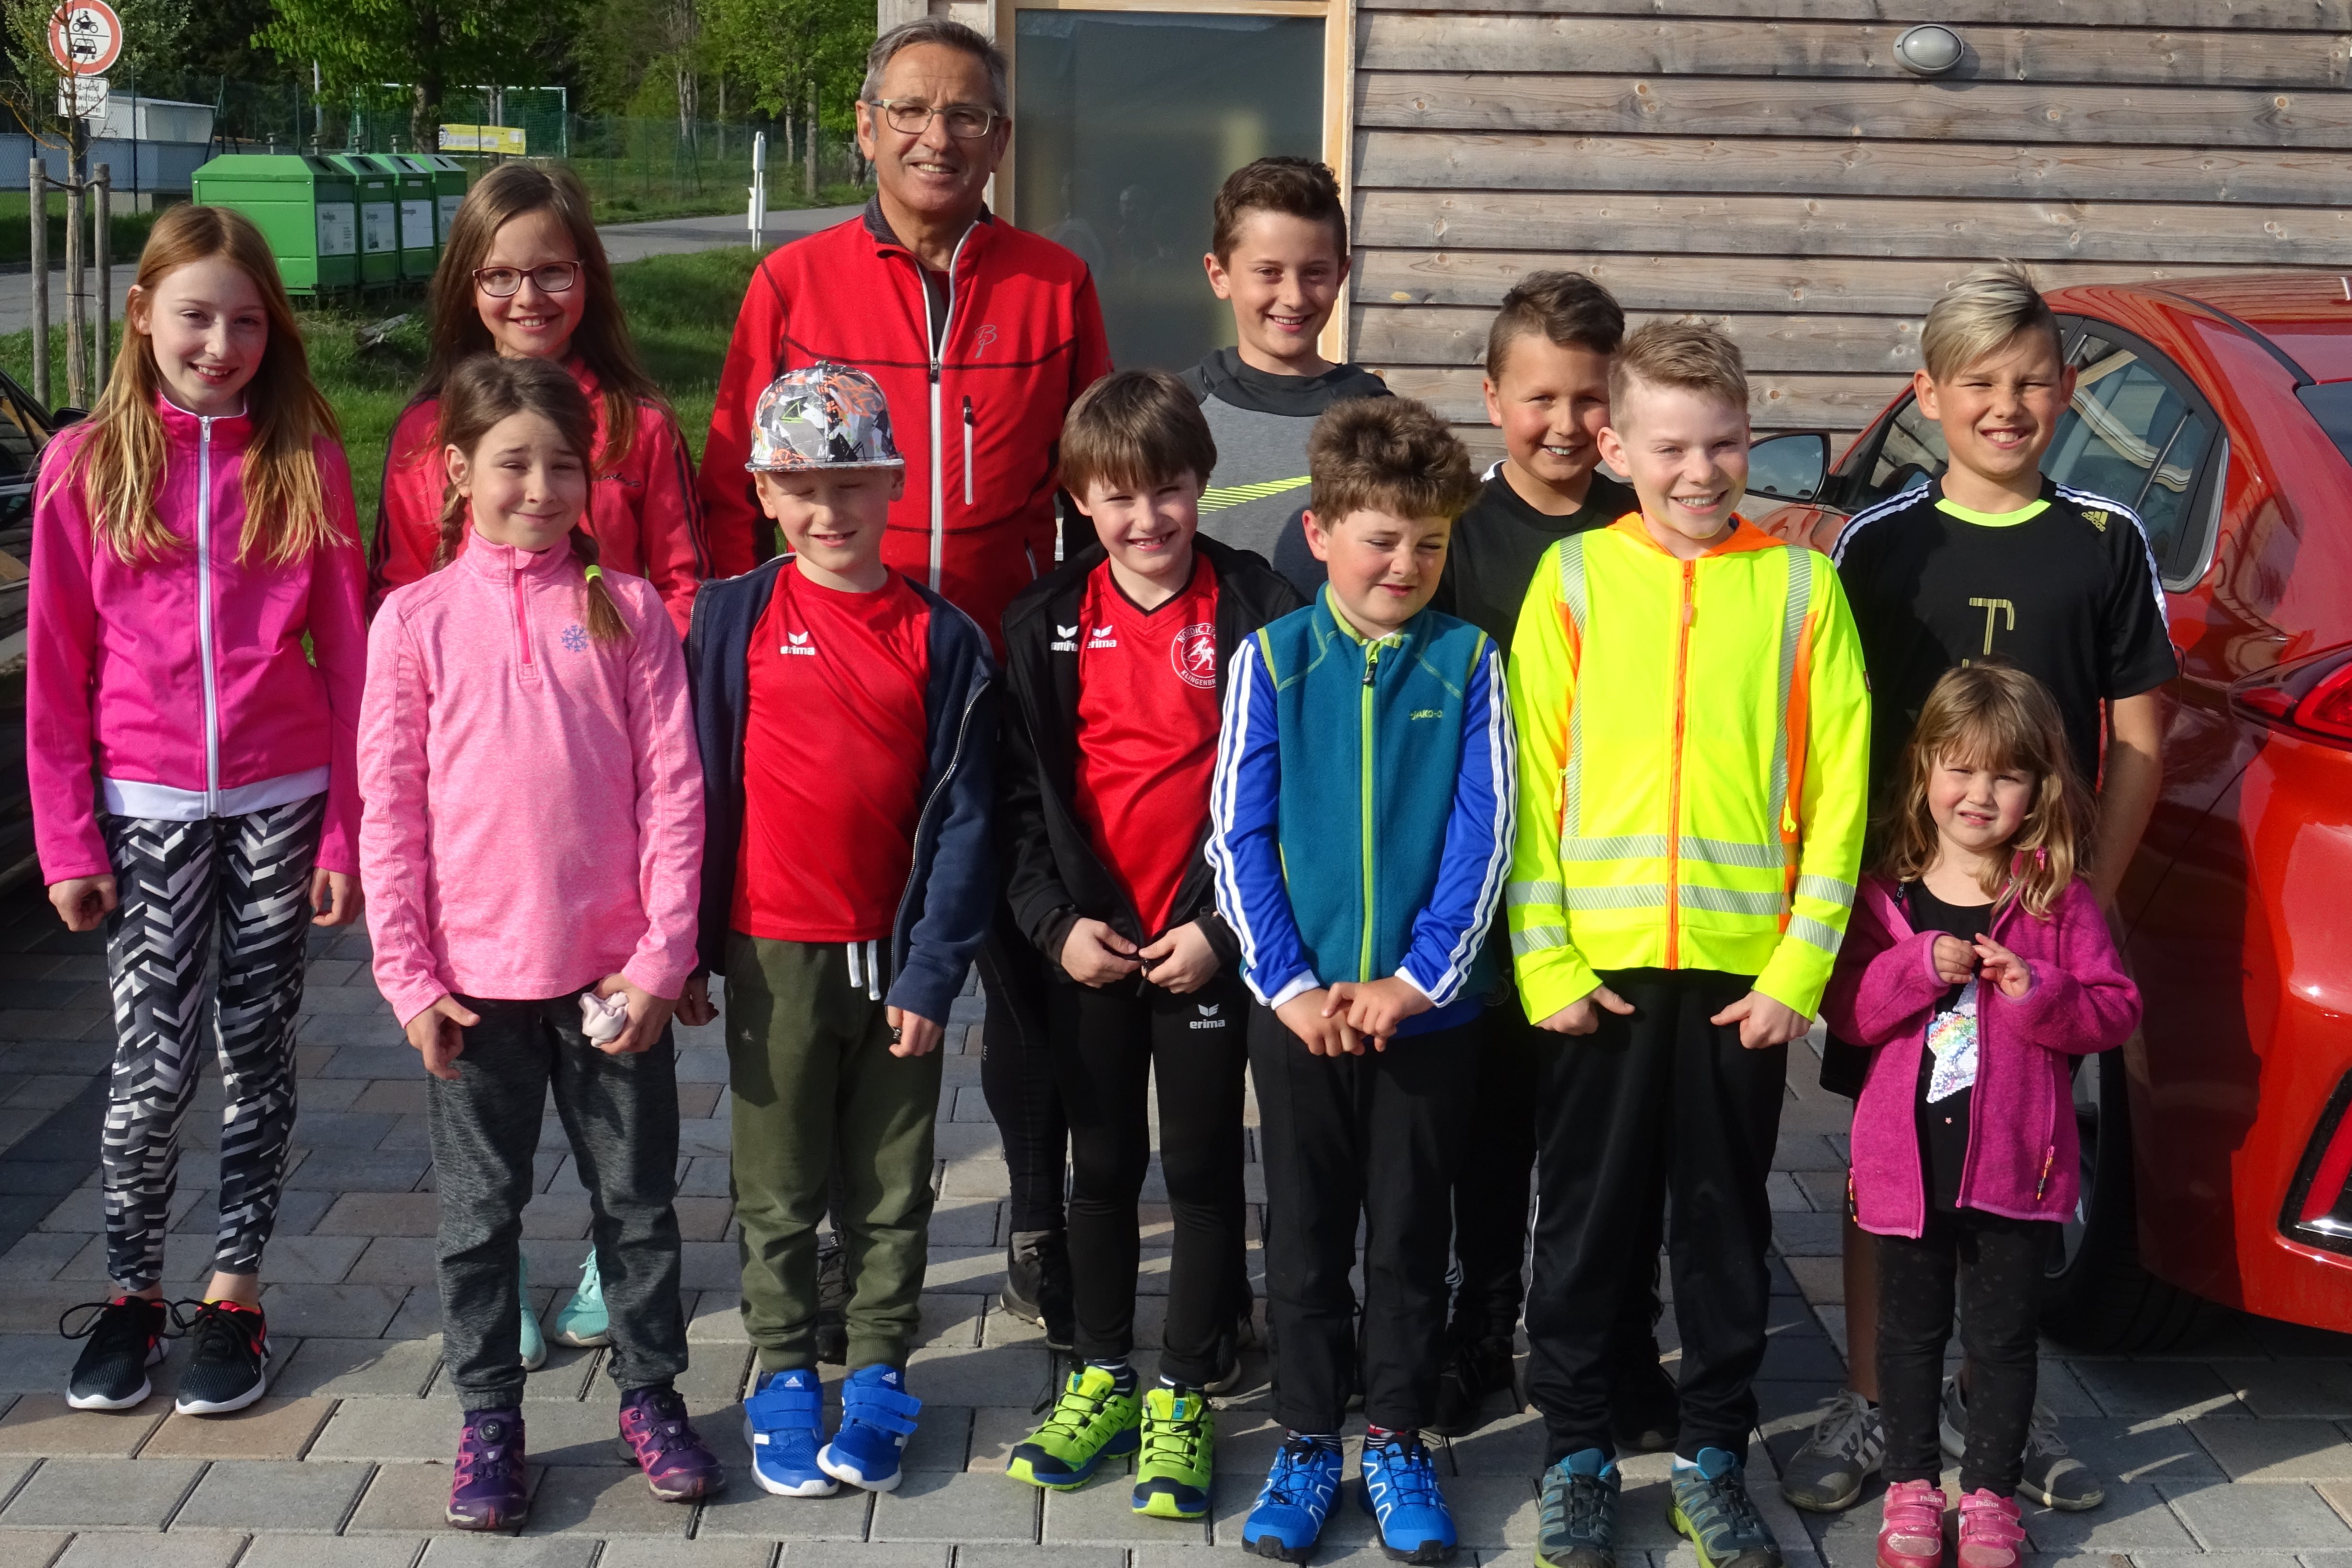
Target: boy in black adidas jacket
1116 666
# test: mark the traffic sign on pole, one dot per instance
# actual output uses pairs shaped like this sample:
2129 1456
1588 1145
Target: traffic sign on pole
85 36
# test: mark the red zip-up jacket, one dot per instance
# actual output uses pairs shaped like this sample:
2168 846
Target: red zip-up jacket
643 514
978 423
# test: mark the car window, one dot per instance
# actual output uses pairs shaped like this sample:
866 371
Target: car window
1911 453
20 439
2130 437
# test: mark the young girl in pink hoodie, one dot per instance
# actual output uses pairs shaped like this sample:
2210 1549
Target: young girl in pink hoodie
532 839
1978 967
193 782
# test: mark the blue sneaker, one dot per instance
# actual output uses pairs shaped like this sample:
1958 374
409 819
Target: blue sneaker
1287 1517
1400 1493
582 1320
1712 1507
784 1419
877 1416
1576 1512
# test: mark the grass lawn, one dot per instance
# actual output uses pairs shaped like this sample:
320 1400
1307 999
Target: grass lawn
681 307
633 206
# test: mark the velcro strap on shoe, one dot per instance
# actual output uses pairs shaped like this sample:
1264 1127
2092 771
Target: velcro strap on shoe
890 1409
779 1406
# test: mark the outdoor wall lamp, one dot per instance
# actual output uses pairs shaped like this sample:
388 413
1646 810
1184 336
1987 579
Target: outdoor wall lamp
1930 49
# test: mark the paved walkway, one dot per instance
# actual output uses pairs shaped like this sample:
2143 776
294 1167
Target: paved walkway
2235 1453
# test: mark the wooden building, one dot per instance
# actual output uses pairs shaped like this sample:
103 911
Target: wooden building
1769 166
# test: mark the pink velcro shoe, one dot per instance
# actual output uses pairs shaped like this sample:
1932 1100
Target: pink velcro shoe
1911 1530
1990 1533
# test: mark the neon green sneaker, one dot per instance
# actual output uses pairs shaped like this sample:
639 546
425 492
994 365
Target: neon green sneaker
1179 1434
1092 1418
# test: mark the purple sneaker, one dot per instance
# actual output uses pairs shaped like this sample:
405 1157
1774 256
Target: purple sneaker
490 1489
656 1432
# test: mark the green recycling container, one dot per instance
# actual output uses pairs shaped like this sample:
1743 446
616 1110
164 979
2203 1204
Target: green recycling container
449 183
305 205
379 205
413 192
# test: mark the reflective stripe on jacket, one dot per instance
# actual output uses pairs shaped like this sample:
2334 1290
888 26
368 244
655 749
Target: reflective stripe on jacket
1693 742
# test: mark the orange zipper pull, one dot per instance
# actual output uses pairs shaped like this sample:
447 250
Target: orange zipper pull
2042 1185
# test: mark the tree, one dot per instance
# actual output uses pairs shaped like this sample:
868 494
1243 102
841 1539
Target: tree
417 49
783 49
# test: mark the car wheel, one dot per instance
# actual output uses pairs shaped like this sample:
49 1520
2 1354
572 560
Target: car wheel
2096 1295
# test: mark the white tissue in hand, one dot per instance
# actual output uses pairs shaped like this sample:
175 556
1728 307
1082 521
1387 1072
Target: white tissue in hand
602 1018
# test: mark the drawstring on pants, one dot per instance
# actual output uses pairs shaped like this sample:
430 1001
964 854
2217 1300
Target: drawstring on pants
868 972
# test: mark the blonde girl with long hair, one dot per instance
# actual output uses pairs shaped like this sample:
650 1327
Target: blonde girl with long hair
193 768
1977 969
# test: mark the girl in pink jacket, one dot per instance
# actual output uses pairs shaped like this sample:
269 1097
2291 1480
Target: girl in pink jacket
1979 967
194 786
532 843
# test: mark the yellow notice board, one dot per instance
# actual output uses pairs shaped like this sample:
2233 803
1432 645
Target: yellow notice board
507 139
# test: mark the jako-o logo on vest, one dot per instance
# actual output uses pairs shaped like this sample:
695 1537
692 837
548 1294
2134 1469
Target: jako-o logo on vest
1193 653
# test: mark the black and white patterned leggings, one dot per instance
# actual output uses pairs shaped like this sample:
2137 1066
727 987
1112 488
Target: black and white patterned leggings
204 951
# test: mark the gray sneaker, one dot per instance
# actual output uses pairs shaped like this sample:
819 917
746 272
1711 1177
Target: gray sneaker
2053 1477
1826 1475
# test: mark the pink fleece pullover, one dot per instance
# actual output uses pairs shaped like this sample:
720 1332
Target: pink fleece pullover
533 817
2023 1153
175 687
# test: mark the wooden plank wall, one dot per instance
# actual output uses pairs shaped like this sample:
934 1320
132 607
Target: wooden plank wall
1788 180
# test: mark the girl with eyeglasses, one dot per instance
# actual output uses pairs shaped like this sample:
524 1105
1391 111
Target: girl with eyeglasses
524 276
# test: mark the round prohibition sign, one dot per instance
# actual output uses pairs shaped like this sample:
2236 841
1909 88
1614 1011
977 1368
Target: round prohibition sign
85 36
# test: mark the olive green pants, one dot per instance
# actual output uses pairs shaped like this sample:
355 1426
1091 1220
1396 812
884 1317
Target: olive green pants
812 1077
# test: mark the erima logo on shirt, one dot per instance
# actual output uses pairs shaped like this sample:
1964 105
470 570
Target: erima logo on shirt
1103 637
1065 640
797 643
1208 1018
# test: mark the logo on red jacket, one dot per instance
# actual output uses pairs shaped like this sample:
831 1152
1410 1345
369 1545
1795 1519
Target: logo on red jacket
1193 653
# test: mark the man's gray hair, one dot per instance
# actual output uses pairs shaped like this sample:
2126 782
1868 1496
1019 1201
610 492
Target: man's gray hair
937 31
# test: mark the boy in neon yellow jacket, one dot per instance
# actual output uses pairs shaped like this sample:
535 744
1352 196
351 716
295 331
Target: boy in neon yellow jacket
1693 734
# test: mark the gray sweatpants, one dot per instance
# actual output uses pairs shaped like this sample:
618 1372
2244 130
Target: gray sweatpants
620 1113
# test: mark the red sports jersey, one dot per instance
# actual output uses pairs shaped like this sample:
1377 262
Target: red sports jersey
1147 733
834 753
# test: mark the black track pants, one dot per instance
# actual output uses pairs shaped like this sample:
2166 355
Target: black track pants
1016 1075
1999 1262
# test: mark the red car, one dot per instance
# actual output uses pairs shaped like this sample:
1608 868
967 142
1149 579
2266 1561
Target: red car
2217 1150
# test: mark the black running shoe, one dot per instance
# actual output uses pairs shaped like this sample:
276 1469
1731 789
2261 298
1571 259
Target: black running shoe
1475 1368
833 1303
1037 1285
126 1337
228 1359
1644 1406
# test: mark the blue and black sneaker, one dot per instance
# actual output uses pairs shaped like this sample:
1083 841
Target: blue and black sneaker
1400 1490
1287 1517
1576 1518
1712 1507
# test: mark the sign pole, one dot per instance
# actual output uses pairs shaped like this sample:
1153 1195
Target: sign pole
85 38
101 219
758 213
40 257
77 285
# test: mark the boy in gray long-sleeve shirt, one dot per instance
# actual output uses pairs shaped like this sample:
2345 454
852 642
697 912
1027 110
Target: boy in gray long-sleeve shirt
1279 256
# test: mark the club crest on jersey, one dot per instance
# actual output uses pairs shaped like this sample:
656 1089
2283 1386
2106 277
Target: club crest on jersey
1103 637
1192 653
1209 1018
1065 640
797 643
2096 516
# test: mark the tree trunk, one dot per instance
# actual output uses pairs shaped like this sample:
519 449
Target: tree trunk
808 179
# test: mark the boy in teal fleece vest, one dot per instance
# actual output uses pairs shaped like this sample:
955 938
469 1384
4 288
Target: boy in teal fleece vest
1361 823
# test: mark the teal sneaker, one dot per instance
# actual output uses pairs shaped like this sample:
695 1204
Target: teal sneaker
534 1343
582 1320
1712 1507
1576 1514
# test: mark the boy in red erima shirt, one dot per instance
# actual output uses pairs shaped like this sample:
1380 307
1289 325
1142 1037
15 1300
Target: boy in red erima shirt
1115 667
847 725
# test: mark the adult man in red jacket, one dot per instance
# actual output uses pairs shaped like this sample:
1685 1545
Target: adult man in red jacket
980 335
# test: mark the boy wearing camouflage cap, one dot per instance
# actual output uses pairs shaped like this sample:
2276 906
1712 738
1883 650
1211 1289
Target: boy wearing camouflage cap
847 717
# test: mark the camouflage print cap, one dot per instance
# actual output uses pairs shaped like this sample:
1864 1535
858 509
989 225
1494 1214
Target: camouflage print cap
824 415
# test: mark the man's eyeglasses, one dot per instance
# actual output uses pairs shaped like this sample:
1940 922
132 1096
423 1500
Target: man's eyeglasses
548 277
966 122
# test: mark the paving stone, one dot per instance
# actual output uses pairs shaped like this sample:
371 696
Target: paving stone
337 1552
647 1551
97 1548
361 1170
2255 1518
338 1368
2175 1389
344 1311
33 1364
38 1548
1103 1513
932 1505
395 1430
994 1430
388 1213
855 1554
716 1375
2282 1448
1045 1556
454 1550
269 1428
405 1500
2152 1450
2284 1388
999 1375
744 1509
43 1424
403 1261
604 1502
278 1496
93 1494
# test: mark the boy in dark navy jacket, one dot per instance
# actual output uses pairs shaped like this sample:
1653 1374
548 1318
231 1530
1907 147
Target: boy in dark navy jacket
847 725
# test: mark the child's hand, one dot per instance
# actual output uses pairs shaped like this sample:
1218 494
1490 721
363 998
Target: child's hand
1763 1021
438 1035
335 895
1582 1015
1375 1007
82 902
911 1034
1094 955
1186 960
1955 961
1308 1016
648 1016
695 1007
2004 969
